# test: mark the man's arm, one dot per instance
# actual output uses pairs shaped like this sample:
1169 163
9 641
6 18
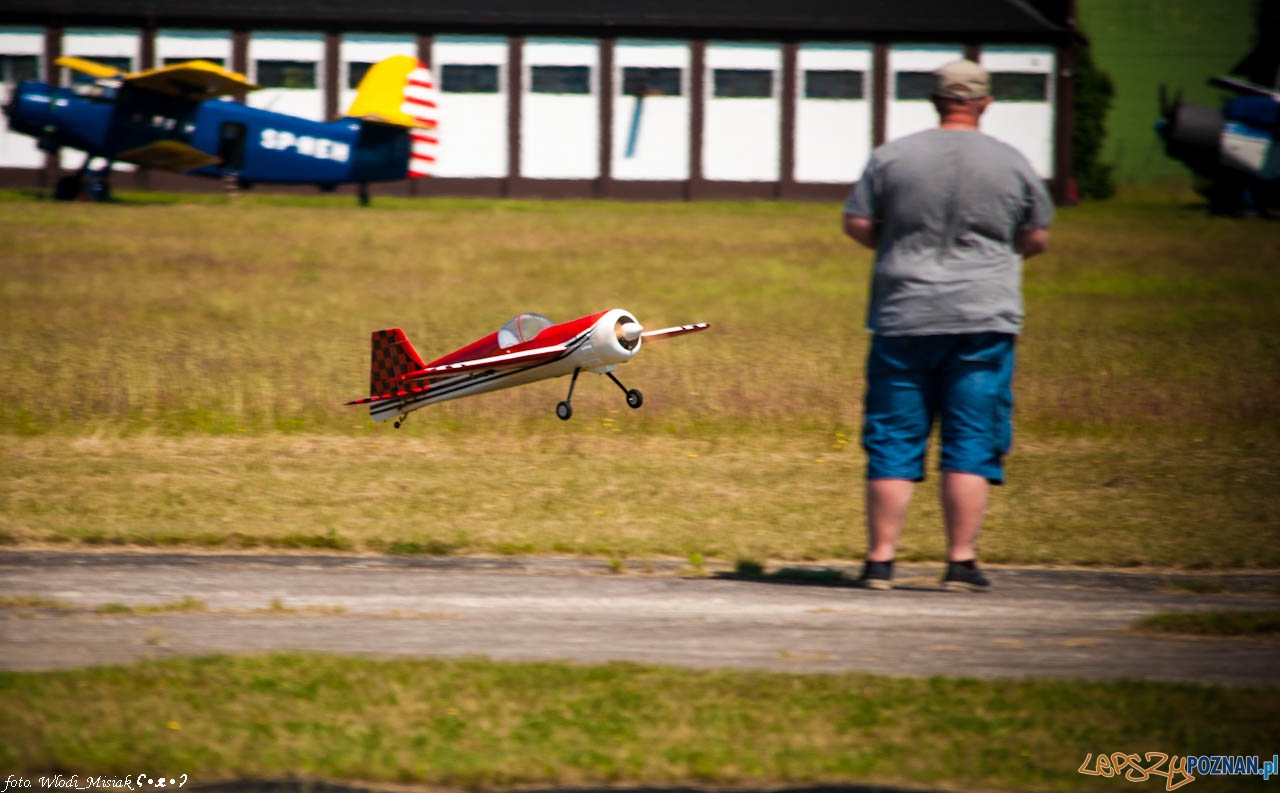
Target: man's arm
1033 241
863 230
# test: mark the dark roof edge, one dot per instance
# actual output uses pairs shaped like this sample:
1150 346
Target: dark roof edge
788 30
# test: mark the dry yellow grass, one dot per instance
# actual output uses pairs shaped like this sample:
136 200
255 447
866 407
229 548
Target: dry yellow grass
174 375
619 491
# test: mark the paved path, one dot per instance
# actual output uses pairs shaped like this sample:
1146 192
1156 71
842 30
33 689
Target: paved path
1035 622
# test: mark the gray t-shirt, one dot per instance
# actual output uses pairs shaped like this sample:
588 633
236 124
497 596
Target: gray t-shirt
949 204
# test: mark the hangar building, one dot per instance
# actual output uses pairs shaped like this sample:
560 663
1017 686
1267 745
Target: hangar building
637 99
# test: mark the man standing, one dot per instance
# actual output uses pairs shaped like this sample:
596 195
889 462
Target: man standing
951 213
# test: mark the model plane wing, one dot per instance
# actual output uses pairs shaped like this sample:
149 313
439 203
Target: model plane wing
1241 87
490 363
98 71
198 79
169 155
676 331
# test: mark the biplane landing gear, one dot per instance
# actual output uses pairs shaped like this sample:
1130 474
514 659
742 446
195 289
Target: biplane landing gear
86 182
68 188
564 410
634 398
362 193
401 420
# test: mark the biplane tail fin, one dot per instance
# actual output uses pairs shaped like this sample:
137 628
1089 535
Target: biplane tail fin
392 357
401 92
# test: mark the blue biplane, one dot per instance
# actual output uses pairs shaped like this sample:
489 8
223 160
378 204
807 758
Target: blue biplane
176 118
1234 151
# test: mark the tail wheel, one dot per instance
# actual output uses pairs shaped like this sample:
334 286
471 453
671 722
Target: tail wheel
564 411
634 399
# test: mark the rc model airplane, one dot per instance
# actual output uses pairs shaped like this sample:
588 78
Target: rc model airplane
1235 151
172 118
526 349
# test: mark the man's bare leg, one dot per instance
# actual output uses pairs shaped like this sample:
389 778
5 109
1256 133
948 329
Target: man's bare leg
887 502
964 502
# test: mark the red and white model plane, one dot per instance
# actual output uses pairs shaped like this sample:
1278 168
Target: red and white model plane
528 348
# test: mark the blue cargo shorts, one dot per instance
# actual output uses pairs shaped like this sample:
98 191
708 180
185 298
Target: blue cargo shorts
965 380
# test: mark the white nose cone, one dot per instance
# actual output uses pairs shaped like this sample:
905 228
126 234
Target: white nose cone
632 330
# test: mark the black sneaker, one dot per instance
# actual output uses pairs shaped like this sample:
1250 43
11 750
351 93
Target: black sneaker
965 577
876 575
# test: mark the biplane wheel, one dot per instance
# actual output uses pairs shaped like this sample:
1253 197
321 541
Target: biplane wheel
634 399
68 188
564 411
99 190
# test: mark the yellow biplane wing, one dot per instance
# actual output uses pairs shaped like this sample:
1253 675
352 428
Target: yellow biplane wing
99 71
196 79
168 155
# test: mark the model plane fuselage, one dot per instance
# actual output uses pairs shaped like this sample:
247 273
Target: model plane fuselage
1235 151
256 145
526 349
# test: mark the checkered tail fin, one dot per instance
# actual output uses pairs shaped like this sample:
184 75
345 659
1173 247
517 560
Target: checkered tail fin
392 356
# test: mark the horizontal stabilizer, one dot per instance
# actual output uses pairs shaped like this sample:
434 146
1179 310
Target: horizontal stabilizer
408 392
676 331
394 121
168 155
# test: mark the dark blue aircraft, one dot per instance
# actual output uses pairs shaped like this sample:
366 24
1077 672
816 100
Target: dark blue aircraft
171 118
1235 151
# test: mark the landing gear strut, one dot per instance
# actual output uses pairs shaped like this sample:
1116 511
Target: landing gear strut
564 410
95 184
401 420
634 398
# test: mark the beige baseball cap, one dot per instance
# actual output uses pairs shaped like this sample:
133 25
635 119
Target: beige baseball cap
962 79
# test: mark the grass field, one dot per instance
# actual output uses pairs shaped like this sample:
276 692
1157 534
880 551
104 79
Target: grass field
1142 44
175 369
479 725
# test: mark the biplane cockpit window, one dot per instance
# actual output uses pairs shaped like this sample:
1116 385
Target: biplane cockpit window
522 328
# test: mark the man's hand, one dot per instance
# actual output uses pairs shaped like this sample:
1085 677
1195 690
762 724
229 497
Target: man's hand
1032 242
862 230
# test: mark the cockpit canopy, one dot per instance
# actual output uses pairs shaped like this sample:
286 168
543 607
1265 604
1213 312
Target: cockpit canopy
522 328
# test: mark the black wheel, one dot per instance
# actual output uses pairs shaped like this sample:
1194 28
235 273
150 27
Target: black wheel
68 188
564 410
99 190
634 398
397 425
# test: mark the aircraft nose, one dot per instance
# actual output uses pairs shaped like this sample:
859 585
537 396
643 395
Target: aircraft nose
632 330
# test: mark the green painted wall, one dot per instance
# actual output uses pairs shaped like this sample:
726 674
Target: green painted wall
1143 43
